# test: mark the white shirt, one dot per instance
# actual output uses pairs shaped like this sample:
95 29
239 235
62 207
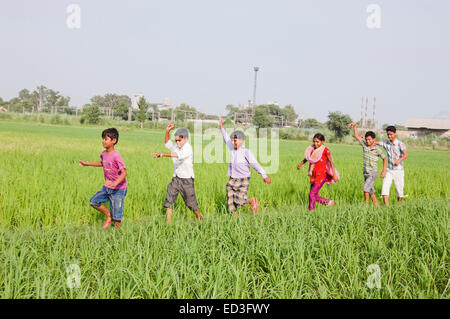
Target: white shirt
182 165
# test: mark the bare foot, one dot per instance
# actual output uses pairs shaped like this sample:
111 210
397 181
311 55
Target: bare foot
107 223
253 204
117 225
331 203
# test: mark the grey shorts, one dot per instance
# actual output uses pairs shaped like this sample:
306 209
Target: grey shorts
369 180
185 186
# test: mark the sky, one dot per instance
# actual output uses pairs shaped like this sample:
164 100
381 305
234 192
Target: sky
317 55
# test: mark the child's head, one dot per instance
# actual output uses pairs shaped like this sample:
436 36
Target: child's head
370 138
181 136
237 138
391 132
318 140
110 137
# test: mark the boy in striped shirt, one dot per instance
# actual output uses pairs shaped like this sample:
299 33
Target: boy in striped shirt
371 153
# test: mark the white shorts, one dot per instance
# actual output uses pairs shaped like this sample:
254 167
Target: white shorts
398 176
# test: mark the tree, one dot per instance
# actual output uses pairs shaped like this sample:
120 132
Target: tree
289 113
231 110
52 99
338 123
312 123
40 97
262 117
24 94
91 114
141 113
121 110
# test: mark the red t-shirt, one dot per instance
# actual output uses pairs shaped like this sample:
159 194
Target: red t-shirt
112 166
320 170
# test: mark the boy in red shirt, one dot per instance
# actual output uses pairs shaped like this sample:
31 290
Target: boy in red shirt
115 187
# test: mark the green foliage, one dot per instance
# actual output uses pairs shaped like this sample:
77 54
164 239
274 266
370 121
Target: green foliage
262 117
141 113
91 114
338 123
312 123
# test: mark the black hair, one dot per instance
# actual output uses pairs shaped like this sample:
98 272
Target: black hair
112 133
391 129
319 137
371 134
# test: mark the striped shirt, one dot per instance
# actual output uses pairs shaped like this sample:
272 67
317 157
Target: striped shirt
394 151
370 157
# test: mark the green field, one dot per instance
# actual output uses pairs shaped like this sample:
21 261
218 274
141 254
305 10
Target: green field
284 251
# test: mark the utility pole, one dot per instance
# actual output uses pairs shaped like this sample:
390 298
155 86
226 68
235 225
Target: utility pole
365 115
373 115
256 69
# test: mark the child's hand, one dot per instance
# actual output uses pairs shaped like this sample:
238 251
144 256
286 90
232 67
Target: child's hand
396 162
83 163
170 127
335 178
221 123
352 124
300 165
110 184
383 174
267 180
157 155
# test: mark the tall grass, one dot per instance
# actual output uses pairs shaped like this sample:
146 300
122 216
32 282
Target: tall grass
284 251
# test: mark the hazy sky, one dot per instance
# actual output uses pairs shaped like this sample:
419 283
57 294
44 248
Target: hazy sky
316 55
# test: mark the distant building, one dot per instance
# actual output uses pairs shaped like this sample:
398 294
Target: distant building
419 127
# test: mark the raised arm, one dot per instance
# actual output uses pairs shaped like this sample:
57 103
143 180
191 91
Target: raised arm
168 129
225 136
355 131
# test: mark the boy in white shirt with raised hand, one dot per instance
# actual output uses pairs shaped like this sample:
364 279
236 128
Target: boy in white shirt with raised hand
183 172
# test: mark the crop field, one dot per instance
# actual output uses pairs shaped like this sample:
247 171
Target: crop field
284 251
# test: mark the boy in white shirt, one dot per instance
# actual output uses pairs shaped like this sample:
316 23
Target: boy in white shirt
183 172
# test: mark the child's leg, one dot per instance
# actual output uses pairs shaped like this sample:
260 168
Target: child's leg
312 196
387 182
117 199
168 215
173 189
374 199
96 202
188 193
253 202
399 182
323 201
366 197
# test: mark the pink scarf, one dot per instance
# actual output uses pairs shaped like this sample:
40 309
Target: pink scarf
313 155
